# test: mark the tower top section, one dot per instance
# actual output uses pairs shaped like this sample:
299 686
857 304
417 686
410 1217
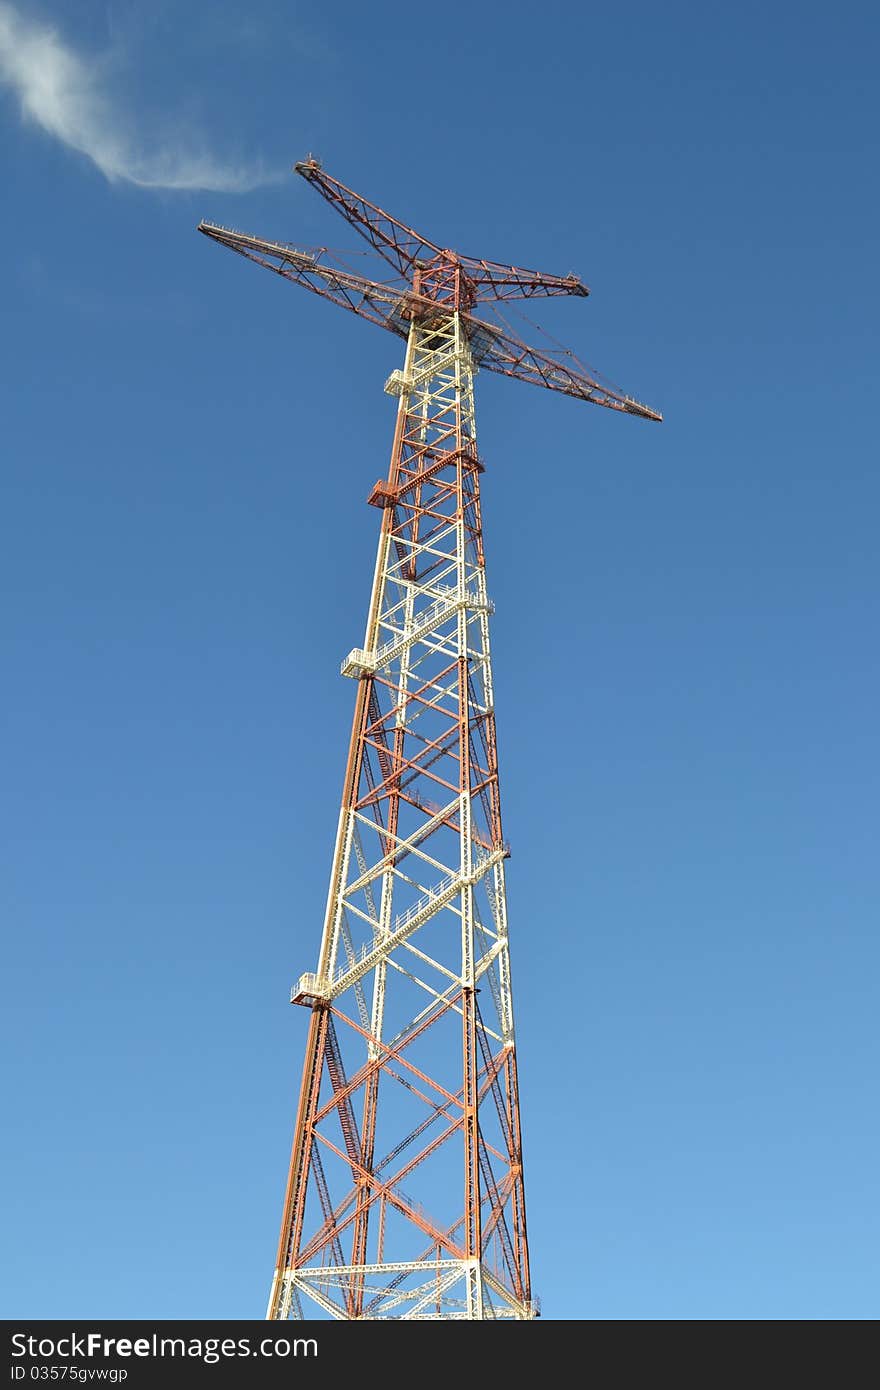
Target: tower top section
428 279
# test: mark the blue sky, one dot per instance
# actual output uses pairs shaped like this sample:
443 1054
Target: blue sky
685 633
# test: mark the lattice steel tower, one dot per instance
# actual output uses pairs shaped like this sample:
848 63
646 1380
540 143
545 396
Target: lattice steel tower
405 1197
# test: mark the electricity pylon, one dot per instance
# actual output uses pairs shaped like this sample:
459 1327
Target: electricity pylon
405 1195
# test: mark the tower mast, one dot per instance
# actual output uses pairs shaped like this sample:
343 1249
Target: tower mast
405 1195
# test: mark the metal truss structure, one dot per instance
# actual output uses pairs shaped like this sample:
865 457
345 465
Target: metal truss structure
405 1196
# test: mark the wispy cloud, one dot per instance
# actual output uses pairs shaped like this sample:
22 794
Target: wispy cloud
65 93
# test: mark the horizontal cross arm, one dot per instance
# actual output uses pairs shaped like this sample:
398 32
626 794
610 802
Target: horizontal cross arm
502 352
495 281
400 245
381 304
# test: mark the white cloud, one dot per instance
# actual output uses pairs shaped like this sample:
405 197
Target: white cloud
62 91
